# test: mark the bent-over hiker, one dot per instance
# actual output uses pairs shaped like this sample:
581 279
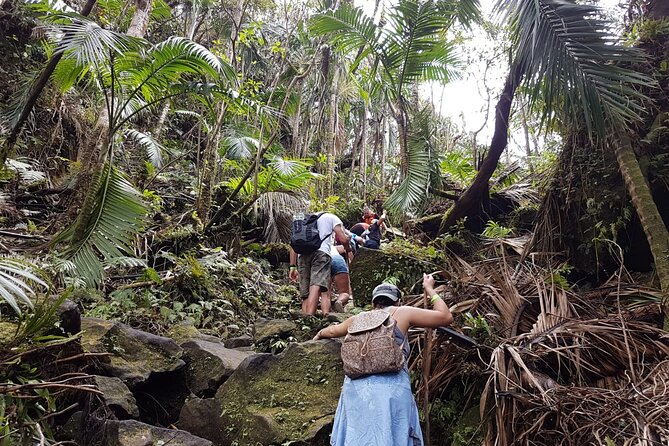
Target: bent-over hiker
313 269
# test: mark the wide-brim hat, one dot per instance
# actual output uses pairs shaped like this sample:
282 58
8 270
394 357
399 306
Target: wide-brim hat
386 290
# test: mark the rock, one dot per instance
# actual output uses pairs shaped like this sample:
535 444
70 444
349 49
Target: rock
70 317
135 354
134 433
7 332
182 332
125 433
241 341
209 364
117 397
272 399
264 329
202 417
161 397
370 267
186 331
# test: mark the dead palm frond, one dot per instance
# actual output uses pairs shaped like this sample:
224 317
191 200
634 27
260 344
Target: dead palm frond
275 209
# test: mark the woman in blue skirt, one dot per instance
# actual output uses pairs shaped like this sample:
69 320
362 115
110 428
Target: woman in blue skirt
379 409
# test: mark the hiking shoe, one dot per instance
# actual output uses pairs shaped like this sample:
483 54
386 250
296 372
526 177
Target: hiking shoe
337 307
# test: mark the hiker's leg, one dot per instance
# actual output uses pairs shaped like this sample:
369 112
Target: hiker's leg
319 281
304 263
310 304
326 301
343 283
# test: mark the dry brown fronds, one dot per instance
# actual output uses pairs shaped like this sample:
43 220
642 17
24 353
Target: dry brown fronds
559 367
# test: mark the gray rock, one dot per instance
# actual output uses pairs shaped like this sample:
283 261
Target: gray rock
210 363
135 354
126 433
264 329
70 317
240 341
134 433
272 399
202 417
117 397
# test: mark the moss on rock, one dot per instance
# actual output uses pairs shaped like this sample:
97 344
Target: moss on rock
272 399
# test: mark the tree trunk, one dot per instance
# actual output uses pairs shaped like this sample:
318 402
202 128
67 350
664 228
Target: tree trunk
651 220
35 92
402 130
209 165
526 131
658 9
140 19
469 204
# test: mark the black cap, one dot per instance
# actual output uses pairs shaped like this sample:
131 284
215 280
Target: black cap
388 290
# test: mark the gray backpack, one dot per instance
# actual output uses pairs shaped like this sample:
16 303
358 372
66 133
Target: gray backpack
370 347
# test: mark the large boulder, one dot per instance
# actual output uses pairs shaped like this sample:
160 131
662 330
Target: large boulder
134 354
209 364
273 399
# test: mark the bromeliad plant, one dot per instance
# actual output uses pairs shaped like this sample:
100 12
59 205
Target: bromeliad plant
132 77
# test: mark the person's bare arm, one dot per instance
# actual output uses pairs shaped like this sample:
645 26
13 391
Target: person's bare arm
382 218
293 273
439 316
343 237
334 331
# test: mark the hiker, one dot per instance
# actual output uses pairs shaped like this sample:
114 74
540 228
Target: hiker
340 279
312 267
359 228
374 232
379 409
368 215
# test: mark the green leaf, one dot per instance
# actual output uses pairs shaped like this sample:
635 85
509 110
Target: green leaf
105 231
573 63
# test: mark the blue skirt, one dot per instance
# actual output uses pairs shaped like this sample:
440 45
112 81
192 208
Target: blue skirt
377 410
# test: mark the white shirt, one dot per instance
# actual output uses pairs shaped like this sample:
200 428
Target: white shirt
326 224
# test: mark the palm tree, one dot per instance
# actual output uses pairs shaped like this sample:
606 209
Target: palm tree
410 48
566 56
133 77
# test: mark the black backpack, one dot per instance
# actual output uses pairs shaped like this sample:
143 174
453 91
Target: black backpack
305 238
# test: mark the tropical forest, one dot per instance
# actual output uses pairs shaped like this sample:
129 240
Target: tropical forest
160 161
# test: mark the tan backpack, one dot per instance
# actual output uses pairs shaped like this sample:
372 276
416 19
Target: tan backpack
370 347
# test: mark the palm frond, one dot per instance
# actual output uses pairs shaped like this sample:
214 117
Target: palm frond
87 42
238 147
153 148
422 167
467 12
349 29
26 170
573 62
166 62
416 48
17 281
106 231
287 166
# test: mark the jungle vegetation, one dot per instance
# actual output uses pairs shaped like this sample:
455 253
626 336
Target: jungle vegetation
139 139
